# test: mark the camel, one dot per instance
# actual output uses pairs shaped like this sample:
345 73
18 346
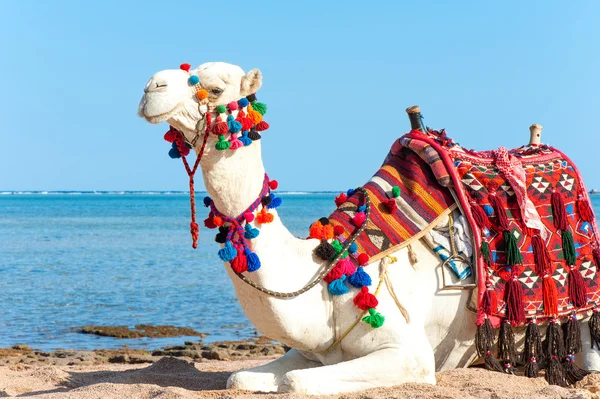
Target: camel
438 334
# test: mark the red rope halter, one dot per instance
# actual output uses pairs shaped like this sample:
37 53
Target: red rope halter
191 172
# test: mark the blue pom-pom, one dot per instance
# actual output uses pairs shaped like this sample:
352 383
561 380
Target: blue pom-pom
207 201
245 139
174 152
253 261
228 252
362 208
350 192
353 248
251 232
360 278
243 102
275 202
194 80
233 125
337 287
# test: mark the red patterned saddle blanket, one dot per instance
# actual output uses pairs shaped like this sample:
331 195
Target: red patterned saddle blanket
533 225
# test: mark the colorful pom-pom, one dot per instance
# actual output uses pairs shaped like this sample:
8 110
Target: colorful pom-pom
266 200
395 191
350 192
218 221
340 199
228 252
235 142
264 217
262 126
209 223
194 80
221 109
347 266
185 67
360 278
243 102
245 139
253 260
207 201
251 232
362 208
324 221
390 205
365 300
240 263
202 94
169 136
359 219
174 153
337 230
334 274
273 184
374 319
222 144
221 236
232 106
249 217
353 248
337 287
259 107
220 127
363 259
247 123
325 251
254 135
275 202
256 117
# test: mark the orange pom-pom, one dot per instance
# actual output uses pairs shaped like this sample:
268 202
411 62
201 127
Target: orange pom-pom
255 116
316 230
264 217
218 221
202 94
327 232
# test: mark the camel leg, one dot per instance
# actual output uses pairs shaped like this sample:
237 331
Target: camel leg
268 377
590 358
385 367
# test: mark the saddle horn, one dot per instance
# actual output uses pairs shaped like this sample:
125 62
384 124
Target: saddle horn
536 134
415 117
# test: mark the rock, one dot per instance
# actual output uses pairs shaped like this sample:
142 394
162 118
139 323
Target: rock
119 359
20 347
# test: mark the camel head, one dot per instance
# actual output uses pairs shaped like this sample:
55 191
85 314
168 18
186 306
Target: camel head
170 95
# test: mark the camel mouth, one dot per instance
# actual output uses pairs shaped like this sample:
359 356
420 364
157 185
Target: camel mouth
155 118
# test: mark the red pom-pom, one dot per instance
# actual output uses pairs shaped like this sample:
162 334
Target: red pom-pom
220 128
363 259
340 199
262 125
239 264
390 205
359 219
209 223
365 300
249 216
334 274
232 105
246 123
170 136
337 230
185 67
273 184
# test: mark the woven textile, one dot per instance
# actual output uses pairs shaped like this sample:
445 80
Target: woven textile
421 201
475 176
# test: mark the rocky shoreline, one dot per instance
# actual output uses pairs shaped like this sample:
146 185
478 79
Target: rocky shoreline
199 351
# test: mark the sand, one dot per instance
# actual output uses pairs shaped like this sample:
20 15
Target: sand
171 377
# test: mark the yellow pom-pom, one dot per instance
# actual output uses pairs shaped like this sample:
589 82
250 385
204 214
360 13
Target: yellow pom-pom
202 94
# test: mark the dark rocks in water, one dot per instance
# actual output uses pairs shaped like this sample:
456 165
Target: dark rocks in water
140 331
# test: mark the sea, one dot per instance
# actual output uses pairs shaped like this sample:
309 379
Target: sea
71 259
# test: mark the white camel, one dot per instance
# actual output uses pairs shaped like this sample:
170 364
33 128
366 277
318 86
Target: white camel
440 334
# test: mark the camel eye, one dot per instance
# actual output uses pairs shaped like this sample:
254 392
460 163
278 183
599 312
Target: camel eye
216 91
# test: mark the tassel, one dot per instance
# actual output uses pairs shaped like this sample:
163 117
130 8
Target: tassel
325 250
485 252
532 350
558 211
240 263
572 334
577 290
479 216
259 107
360 278
221 237
489 302
276 203
251 232
253 260
220 128
375 319
222 144
550 296
254 135
515 309
513 254
228 252
585 211
365 300
233 126
262 126
554 346
390 205
334 274
337 287
484 340
568 247
347 266
594 324
540 255
264 217
499 210
555 374
247 123
412 256
506 343
245 139
573 373
235 142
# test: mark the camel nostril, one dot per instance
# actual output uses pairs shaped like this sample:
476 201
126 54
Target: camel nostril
158 85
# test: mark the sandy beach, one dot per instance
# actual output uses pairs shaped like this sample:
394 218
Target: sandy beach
195 372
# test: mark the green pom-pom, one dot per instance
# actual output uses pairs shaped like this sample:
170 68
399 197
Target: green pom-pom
261 108
395 191
338 248
221 109
375 319
222 144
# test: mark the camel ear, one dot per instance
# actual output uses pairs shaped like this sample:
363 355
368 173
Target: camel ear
251 82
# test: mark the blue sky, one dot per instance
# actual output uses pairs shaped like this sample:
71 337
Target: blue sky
336 79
